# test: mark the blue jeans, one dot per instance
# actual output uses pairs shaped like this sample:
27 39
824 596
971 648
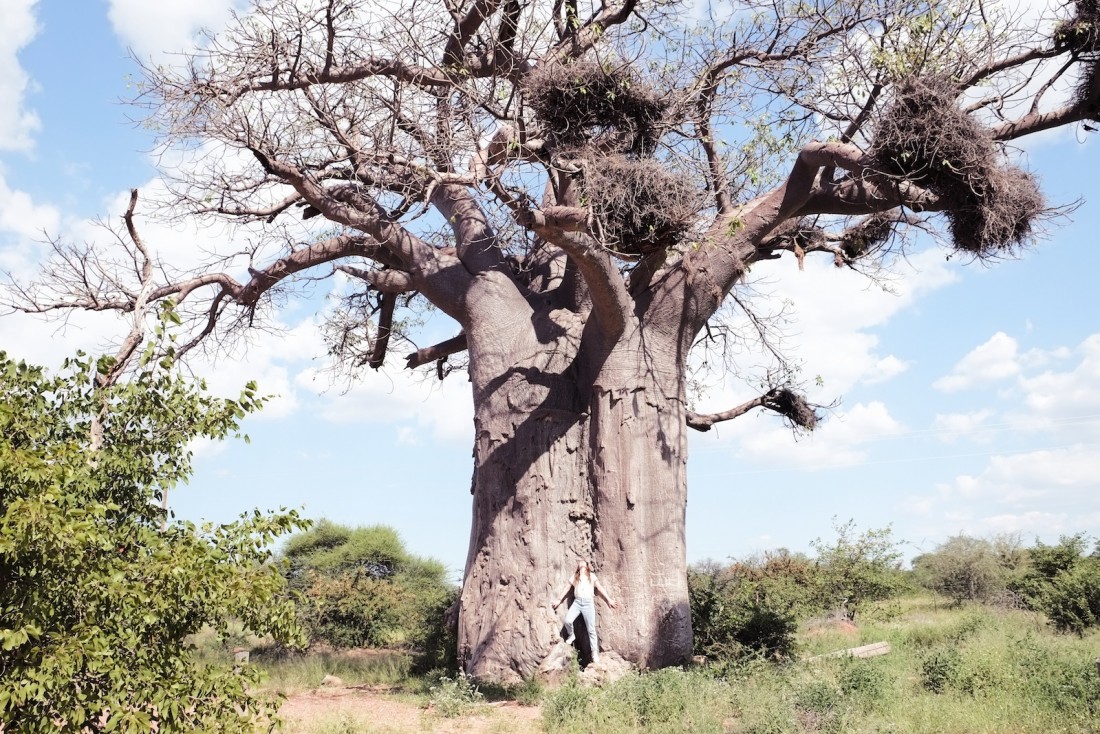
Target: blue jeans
586 607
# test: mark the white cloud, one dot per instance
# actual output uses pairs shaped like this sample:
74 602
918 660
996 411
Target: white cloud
416 406
1055 396
20 216
17 125
837 308
1044 492
996 359
951 426
166 26
836 442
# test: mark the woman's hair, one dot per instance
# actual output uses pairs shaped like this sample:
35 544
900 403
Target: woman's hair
587 571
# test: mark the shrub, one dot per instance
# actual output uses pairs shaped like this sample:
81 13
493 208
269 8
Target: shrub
1072 601
1063 583
940 669
744 609
1061 681
561 708
863 679
454 695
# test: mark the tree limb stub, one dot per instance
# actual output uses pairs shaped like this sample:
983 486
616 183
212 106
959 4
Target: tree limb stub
421 357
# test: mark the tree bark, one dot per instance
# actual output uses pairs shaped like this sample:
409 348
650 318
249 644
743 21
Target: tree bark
564 469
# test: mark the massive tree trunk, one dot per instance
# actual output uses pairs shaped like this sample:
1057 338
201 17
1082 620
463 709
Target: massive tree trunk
578 454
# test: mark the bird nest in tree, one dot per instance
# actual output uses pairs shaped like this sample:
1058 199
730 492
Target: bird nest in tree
924 137
638 206
584 101
1082 31
1081 35
792 406
867 236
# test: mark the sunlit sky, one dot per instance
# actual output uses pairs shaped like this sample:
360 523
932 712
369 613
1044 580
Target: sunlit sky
969 395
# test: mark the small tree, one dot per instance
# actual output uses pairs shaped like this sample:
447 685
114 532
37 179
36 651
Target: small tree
963 569
99 590
857 570
362 587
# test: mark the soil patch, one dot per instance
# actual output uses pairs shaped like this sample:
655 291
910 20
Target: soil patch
376 710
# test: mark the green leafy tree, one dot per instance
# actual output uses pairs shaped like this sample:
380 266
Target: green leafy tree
99 589
856 570
361 587
1064 583
963 569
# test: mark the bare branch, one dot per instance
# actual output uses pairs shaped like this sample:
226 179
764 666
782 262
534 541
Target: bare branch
789 404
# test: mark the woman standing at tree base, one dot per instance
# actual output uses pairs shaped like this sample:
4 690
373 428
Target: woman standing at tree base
585 585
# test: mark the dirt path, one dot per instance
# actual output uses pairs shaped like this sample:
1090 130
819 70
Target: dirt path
367 710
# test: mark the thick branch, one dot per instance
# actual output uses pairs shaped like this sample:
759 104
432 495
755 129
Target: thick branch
385 281
438 275
421 357
385 329
1037 122
610 300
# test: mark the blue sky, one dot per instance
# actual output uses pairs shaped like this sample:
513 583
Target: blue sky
970 395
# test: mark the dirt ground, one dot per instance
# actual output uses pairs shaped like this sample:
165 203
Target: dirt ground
376 710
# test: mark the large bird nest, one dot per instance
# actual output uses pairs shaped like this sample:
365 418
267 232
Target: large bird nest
1081 36
584 101
1081 32
638 206
924 137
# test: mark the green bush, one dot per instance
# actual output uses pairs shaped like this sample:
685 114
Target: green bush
563 707
453 696
864 680
940 669
855 571
100 590
360 587
1072 599
963 569
748 608
1063 583
818 696
1063 682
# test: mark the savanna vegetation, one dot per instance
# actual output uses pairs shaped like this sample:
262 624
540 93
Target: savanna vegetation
1000 661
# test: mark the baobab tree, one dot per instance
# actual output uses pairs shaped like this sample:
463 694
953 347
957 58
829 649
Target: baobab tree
581 187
